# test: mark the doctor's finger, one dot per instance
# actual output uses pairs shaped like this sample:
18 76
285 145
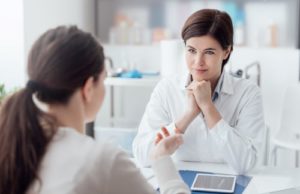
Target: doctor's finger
192 85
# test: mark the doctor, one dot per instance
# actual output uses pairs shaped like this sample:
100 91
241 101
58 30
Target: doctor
220 117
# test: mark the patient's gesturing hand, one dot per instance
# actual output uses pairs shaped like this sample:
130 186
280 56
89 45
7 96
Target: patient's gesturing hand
165 144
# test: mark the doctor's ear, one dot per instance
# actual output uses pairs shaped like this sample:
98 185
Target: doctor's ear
227 52
87 89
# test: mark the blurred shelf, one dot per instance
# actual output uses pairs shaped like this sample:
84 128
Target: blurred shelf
141 82
137 21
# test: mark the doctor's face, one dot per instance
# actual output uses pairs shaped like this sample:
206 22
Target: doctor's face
204 57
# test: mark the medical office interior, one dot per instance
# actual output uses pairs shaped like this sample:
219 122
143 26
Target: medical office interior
142 44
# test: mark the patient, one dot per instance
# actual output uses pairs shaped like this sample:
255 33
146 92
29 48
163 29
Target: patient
42 146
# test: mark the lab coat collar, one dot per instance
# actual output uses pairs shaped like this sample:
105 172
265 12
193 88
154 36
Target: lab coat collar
227 86
218 88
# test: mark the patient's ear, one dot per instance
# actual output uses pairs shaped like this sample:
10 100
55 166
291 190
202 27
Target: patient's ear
87 90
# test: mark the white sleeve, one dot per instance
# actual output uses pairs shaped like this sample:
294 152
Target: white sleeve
168 177
242 144
155 117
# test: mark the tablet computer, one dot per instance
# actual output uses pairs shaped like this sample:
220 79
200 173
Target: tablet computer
214 183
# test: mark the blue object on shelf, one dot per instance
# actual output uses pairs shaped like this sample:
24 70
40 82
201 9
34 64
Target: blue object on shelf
188 176
132 74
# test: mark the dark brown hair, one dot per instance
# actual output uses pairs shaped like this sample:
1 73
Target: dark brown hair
211 22
60 62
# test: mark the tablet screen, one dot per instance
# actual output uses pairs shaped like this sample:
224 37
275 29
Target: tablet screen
214 183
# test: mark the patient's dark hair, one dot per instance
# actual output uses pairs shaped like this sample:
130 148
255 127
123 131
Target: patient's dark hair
212 22
60 62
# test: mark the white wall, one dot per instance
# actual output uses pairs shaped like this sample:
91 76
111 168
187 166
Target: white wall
39 16
12 43
22 22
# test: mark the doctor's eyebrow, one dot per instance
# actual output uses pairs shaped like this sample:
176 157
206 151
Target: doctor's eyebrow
210 49
190 47
207 49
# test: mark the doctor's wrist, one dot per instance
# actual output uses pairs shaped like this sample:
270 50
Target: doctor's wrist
182 123
191 114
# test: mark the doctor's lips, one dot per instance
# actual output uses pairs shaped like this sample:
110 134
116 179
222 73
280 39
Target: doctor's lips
200 70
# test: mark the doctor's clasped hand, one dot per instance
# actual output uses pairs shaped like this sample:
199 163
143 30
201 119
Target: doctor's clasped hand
202 93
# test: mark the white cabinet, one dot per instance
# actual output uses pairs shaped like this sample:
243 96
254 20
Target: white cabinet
122 83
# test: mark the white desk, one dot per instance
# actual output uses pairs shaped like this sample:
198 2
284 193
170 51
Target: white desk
264 180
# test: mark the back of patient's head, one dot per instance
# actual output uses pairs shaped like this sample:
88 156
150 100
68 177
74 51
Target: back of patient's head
60 62
211 22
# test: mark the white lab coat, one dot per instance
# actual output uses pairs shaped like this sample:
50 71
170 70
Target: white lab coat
76 164
237 139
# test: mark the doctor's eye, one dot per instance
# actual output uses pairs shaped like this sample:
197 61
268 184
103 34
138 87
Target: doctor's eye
209 52
191 50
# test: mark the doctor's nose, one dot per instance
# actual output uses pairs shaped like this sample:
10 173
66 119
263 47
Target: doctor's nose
199 60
